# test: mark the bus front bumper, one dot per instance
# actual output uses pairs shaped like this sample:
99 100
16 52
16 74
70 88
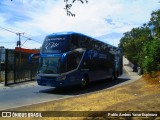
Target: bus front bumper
60 81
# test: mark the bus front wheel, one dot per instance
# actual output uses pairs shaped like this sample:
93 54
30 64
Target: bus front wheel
84 82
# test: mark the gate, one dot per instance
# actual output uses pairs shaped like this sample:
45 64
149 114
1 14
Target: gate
16 68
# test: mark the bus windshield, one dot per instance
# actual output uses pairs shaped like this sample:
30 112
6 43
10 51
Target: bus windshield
50 65
54 65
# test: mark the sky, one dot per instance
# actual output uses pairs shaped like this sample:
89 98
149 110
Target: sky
105 20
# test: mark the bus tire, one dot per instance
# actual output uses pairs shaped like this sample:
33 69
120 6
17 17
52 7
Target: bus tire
114 76
84 81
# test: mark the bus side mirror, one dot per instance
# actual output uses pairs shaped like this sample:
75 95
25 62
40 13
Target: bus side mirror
32 56
63 58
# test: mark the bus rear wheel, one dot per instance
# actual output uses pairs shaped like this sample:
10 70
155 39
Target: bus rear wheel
114 76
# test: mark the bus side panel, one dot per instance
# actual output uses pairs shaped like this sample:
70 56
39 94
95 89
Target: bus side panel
99 67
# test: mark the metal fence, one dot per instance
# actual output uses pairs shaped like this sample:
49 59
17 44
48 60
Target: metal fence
15 68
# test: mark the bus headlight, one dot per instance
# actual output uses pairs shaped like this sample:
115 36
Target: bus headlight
61 78
38 77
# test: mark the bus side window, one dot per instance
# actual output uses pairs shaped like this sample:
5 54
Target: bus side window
75 42
73 60
87 65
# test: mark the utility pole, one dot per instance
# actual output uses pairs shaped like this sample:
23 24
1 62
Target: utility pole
19 41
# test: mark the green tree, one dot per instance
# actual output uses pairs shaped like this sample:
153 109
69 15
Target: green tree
155 23
133 41
151 51
151 56
142 45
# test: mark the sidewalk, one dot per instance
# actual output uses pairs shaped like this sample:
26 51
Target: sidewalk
127 66
18 85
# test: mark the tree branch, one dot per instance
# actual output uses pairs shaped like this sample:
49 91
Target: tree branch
68 6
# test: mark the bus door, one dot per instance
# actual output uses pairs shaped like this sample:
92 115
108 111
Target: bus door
72 62
87 67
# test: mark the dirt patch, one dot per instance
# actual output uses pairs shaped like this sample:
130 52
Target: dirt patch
142 95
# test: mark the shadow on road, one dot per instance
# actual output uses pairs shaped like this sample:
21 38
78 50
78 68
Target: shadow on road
93 86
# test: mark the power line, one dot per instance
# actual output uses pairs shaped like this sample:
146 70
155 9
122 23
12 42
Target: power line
31 39
8 30
24 42
7 42
20 35
25 46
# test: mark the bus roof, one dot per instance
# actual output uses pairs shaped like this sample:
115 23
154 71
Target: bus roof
64 33
76 33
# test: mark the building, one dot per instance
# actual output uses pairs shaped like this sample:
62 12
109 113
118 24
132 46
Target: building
2 54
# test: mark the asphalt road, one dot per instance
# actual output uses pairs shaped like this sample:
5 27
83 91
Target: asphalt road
17 96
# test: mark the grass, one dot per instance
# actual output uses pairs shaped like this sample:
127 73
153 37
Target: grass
142 95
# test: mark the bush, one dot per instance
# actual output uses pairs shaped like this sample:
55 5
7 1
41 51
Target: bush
151 60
